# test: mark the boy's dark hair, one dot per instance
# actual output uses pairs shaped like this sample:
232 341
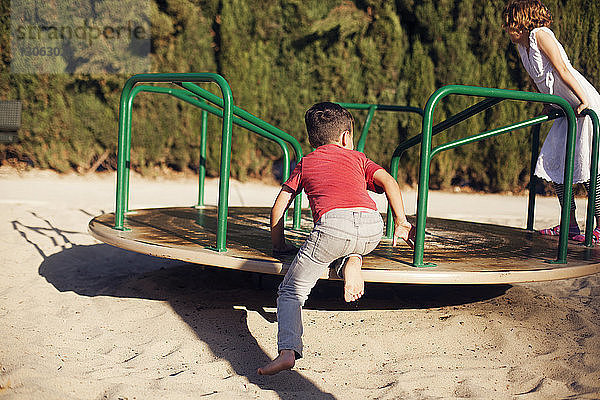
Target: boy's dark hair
325 122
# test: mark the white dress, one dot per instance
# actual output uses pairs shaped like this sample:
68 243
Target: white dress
551 162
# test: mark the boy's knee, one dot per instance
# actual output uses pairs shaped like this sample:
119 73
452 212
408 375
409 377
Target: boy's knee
291 295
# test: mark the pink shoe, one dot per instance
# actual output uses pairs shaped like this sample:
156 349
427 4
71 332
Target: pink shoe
595 237
555 231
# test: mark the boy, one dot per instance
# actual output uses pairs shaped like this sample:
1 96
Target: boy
347 223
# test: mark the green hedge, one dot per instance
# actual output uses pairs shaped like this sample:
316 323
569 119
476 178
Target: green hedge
280 58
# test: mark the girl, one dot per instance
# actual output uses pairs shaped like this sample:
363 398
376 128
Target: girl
526 22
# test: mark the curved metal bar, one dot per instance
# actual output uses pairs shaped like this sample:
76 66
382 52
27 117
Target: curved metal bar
591 202
124 146
202 164
413 141
362 141
535 152
185 96
381 107
196 90
488 134
426 155
202 161
450 122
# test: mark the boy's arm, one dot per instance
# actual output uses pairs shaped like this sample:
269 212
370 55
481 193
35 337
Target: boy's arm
282 202
403 228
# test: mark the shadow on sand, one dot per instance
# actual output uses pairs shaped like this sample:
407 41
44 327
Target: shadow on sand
214 300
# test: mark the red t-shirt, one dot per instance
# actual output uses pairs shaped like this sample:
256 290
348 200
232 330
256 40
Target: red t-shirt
335 177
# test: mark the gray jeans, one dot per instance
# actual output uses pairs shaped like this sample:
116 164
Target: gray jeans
339 233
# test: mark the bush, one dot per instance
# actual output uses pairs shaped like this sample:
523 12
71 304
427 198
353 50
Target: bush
282 57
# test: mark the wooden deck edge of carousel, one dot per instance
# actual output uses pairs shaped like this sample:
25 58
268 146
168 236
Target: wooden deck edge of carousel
431 276
410 275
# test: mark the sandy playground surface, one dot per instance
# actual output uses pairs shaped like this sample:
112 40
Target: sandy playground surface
83 320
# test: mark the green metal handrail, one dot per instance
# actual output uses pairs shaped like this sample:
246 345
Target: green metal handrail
196 90
488 134
185 96
203 129
454 120
591 203
360 146
535 152
415 140
202 161
124 146
427 153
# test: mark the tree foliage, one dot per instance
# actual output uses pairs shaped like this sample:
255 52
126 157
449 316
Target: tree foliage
280 58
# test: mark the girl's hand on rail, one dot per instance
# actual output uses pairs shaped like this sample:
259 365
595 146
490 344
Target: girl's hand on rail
580 109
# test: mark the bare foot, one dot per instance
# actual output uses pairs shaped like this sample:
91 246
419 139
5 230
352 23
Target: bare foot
285 360
354 285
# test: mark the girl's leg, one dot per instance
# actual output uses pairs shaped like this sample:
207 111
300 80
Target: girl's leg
596 200
559 188
573 227
596 231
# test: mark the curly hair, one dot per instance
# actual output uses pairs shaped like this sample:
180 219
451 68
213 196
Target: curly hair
325 122
526 15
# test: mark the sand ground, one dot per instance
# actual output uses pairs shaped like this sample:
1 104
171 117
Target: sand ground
83 320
